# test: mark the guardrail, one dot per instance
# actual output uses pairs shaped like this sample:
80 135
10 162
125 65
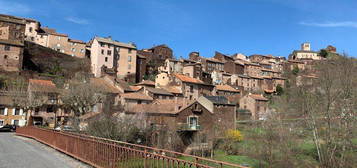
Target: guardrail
100 152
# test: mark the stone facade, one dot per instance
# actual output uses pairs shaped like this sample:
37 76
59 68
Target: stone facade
12 34
256 104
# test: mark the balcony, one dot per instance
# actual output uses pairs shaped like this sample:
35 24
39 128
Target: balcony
188 127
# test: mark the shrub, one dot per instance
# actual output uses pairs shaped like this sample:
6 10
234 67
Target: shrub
234 135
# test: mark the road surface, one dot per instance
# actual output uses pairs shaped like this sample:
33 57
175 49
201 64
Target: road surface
19 152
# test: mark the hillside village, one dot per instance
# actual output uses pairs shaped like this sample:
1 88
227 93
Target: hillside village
198 94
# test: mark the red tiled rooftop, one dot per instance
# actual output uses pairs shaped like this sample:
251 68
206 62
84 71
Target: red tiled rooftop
188 79
226 88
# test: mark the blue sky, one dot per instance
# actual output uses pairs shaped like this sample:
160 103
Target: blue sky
229 26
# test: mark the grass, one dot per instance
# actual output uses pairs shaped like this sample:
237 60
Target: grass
235 159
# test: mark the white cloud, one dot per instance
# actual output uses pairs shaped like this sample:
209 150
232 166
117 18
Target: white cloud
331 24
13 8
77 20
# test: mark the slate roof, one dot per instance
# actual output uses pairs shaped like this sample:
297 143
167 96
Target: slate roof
114 42
158 91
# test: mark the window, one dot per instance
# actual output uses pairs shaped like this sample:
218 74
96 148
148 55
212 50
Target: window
17 111
73 49
5 56
193 122
129 58
102 51
139 101
129 66
50 109
102 44
30 29
2 111
109 52
191 89
129 51
106 59
7 48
82 50
16 122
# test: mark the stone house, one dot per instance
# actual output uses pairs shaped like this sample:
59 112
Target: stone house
248 83
76 48
191 88
9 114
12 35
198 123
157 93
252 69
130 100
225 90
193 70
257 104
118 56
155 57
230 66
140 67
50 111
171 66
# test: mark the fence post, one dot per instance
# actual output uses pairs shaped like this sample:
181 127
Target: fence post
145 154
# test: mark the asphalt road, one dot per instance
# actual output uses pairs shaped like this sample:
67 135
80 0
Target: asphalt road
19 152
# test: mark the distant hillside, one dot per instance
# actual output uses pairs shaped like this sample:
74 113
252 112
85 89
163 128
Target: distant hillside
48 62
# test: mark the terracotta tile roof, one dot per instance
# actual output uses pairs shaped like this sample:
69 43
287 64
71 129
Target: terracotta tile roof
158 91
124 85
135 96
146 82
105 85
258 97
135 88
39 85
173 90
268 90
188 79
226 88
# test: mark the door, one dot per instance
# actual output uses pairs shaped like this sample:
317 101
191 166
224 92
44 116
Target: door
193 123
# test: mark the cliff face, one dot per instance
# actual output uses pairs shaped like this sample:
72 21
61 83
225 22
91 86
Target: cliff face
49 62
